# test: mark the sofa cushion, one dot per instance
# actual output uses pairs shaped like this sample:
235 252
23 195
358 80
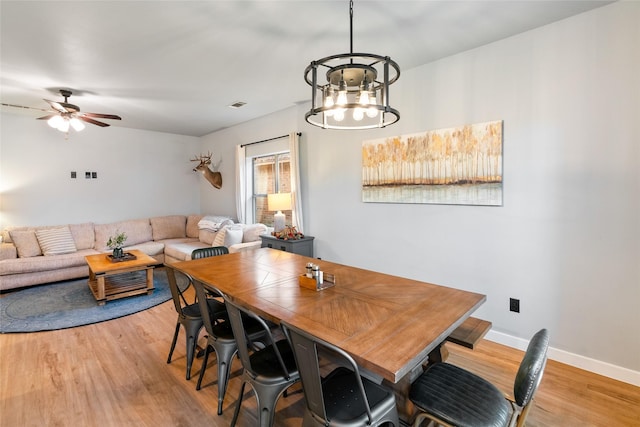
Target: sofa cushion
182 250
192 225
252 232
26 243
168 227
150 248
45 263
55 241
137 231
83 235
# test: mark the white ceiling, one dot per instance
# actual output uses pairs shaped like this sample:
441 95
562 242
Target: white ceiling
175 66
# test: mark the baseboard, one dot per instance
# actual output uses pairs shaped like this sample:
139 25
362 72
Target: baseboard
596 366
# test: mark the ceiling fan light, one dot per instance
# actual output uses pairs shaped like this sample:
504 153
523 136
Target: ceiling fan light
64 125
76 124
55 121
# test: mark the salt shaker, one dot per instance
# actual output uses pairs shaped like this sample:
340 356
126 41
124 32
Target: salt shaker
309 270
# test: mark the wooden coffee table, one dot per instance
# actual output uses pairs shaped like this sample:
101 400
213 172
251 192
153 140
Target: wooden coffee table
112 280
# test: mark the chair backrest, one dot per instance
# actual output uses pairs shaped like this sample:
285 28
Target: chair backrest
238 316
177 291
201 296
305 349
208 252
531 368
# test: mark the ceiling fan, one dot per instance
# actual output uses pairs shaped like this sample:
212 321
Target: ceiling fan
68 115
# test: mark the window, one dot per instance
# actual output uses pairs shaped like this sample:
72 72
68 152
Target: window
271 174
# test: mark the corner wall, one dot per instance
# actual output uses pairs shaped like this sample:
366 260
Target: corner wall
567 240
140 174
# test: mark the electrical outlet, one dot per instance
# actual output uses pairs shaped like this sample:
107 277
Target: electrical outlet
514 305
73 175
87 175
94 175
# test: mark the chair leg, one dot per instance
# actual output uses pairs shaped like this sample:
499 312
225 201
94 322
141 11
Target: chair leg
267 397
192 341
238 405
204 366
225 355
173 343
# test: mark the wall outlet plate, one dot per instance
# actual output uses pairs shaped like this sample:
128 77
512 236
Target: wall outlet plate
514 305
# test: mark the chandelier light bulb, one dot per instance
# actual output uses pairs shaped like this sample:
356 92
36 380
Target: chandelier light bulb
328 101
372 111
342 97
358 114
364 97
339 114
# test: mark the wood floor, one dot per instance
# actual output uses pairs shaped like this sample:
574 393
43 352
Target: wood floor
115 374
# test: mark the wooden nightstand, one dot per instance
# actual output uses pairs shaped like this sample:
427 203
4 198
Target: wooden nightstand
302 246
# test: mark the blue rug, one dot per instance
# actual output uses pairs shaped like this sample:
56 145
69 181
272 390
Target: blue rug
68 304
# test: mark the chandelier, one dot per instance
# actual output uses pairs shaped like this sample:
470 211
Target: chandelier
356 92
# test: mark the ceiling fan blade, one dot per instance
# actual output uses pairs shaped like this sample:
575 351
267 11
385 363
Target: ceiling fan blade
26 108
102 116
57 106
93 122
46 117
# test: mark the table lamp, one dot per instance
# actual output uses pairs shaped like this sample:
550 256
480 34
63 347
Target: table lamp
279 202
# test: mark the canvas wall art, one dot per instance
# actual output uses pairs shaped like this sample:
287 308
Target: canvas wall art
456 166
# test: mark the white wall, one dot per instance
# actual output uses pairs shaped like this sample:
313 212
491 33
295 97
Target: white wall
140 174
567 240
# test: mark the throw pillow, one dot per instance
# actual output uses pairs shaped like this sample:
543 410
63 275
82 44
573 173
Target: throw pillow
26 243
56 241
252 232
233 236
228 235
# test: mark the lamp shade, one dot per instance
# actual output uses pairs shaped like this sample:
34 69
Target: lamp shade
279 201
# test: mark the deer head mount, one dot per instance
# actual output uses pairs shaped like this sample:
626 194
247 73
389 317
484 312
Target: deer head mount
213 176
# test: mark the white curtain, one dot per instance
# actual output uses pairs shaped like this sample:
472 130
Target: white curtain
296 197
241 184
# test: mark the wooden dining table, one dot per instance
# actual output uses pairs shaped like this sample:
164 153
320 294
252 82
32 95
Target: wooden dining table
390 325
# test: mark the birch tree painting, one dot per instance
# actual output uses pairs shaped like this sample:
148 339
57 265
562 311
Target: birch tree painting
461 165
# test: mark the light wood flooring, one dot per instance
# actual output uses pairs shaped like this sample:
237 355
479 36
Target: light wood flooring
115 374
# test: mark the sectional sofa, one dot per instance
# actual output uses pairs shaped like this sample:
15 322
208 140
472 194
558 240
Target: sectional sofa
37 255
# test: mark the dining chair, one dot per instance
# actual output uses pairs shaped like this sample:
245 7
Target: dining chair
189 315
270 370
220 339
342 398
208 252
450 395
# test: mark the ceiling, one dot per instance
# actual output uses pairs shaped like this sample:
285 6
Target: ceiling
176 66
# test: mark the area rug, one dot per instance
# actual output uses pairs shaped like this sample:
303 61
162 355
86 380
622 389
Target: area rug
69 304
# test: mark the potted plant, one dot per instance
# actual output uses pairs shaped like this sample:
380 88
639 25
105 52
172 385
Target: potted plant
116 243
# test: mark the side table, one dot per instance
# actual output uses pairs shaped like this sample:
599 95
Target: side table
302 246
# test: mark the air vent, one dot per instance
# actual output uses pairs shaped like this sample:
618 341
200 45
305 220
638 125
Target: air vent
238 104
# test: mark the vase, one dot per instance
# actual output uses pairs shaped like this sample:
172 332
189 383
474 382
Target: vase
118 253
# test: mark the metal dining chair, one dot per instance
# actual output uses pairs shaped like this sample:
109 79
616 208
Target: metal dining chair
270 370
450 395
189 315
208 252
221 340
343 398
